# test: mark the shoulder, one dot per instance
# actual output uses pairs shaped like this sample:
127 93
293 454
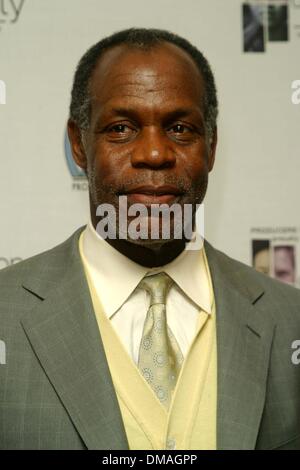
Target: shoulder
24 285
49 264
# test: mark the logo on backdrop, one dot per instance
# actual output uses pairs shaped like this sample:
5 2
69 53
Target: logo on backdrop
275 252
79 179
10 11
264 23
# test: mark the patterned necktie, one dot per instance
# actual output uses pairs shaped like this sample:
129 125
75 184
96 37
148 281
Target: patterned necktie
160 357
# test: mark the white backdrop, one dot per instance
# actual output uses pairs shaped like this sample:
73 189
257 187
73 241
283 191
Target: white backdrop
255 182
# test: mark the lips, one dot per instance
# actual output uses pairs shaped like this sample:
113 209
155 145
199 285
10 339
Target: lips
153 194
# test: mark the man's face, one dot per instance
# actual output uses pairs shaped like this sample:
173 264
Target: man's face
146 138
262 261
284 269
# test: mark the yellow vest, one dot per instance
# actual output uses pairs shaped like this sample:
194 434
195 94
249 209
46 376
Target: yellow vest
190 423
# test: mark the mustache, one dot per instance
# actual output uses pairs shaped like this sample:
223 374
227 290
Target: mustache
100 192
180 183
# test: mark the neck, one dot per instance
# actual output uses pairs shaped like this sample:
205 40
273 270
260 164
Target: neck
151 255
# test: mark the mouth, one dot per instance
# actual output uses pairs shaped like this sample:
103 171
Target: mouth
148 195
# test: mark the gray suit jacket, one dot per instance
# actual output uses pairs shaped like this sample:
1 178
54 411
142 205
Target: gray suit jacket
56 390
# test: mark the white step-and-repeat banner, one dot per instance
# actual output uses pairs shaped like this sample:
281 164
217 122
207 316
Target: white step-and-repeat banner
252 205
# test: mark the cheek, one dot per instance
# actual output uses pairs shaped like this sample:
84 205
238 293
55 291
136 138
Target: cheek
194 162
109 162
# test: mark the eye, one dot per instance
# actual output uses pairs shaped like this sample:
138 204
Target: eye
120 132
179 128
118 128
182 132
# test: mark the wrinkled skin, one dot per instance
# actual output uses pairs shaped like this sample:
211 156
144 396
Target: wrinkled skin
146 128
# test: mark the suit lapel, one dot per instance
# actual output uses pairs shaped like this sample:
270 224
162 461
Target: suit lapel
64 334
244 337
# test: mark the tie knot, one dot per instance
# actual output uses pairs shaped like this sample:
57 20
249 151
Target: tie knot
158 286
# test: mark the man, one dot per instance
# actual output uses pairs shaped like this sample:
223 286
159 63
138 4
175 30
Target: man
139 342
261 256
284 263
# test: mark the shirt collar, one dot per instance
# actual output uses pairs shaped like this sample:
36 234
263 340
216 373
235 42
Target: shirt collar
116 276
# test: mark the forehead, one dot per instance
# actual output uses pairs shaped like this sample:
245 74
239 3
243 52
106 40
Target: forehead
163 73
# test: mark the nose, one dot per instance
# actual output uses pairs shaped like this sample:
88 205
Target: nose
153 149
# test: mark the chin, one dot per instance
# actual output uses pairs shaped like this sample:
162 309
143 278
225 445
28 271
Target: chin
153 243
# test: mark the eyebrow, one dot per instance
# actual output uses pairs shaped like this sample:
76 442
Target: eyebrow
169 115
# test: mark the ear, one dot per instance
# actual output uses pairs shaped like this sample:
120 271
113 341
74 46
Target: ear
77 148
212 150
